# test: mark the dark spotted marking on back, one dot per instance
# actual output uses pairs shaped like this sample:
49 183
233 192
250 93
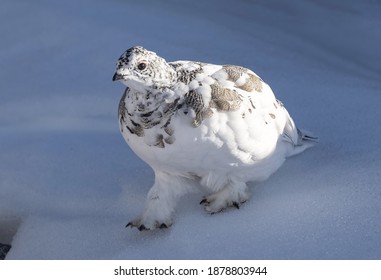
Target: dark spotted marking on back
171 108
194 100
205 114
253 82
272 115
251 103
224 99
186 76
236 72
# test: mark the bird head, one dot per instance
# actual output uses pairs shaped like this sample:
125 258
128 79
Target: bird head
141 69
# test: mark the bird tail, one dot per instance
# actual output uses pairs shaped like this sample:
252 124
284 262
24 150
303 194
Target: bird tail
304 141
305 137
300 140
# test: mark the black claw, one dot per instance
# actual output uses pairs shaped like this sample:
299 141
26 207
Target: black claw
129 225
141 228
163 225
204 201
235 204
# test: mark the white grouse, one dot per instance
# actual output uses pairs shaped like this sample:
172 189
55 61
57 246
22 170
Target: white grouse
218 126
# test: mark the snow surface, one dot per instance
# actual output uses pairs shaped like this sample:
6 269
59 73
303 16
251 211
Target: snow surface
69 183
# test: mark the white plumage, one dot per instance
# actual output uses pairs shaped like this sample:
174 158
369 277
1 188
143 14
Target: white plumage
201 124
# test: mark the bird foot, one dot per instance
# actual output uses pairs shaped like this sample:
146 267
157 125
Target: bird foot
218 201
141 226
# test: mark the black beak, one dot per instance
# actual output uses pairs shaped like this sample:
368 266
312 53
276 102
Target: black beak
117 77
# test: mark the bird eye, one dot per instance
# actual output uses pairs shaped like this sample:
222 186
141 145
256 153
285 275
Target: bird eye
142 66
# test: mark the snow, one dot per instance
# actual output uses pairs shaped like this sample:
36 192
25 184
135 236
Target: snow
69 183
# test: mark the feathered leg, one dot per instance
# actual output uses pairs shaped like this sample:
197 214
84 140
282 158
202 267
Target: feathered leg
161 202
